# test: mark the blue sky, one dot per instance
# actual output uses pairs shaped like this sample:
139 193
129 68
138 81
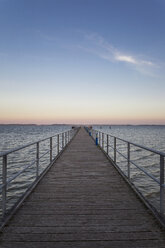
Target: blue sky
82 61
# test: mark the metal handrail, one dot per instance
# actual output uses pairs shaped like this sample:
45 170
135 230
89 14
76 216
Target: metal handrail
17 174
63 138
137 145
29 144
137 166
148 174
101 142
122 154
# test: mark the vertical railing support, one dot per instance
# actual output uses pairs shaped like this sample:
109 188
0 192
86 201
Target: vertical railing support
99 138
50 149
65 138
128 159
68 136
58 144
103 141
37 160
162 190
107 143
114 149
4 181
62 140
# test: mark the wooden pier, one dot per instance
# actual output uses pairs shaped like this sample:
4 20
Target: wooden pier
82 202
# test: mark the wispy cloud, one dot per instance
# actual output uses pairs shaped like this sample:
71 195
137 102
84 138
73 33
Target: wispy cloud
99 46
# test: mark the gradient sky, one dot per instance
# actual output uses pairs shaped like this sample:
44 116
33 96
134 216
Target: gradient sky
82 61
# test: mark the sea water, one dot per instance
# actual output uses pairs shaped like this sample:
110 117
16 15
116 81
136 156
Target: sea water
151 136
13 136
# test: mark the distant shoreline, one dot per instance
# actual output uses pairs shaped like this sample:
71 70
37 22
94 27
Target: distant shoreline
14 124
34 124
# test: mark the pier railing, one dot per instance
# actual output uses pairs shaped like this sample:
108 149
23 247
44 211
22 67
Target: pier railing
116 147
23 167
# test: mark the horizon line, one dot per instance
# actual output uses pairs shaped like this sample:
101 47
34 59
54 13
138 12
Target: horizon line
80 124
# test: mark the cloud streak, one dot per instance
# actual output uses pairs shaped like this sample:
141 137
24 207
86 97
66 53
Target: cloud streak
98 45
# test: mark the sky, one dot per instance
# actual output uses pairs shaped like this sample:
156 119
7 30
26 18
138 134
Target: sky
82 61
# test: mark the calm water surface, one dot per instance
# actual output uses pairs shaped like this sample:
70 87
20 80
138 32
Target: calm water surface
12 136
148 136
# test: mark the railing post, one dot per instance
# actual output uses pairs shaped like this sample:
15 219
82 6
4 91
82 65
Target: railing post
115 149
103 141
128 159
65 138
107 143
4 180
68 136
62 140
37 160
162 190
99 138
50 149
58 144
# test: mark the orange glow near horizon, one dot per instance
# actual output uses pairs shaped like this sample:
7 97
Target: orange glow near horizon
60 120
79 112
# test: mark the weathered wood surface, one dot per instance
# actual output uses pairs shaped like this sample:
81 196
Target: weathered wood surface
82 202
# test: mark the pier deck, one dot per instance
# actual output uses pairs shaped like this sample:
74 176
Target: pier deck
82 202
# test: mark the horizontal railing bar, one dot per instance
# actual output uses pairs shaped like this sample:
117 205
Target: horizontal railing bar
42 161
47 151
140 146
122 143
143 147
34 161
29 144
121 154
111 146
62 137
15 176
148 174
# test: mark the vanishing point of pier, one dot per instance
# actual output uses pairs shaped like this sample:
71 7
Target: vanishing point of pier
82 201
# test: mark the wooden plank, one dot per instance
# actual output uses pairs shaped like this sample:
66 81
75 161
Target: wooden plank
74 229
83 236
86 244
82 202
